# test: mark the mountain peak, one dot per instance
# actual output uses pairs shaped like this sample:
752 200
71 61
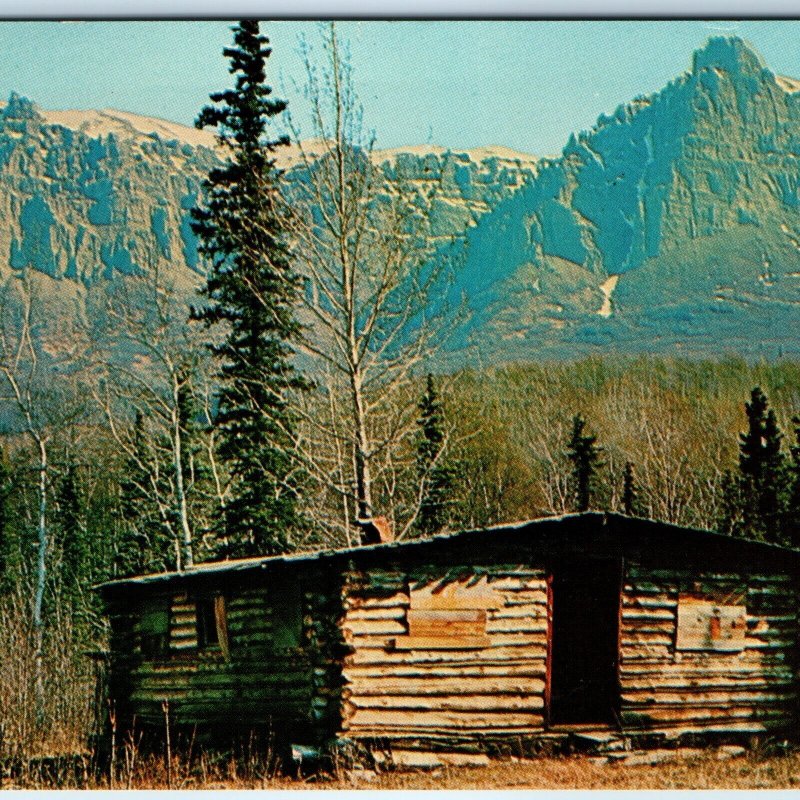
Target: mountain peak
19 108
730 54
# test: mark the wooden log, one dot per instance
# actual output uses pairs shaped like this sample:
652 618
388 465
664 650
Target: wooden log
520 611
634 638
663 603
473 642
380 627
636 652
721 698
492 655
523 625
650 685
479 704
684 715
662 591
524 597
465 671
438 622
446 685
691 669
359 601
371 613
648 615
443 720
442 735
535 582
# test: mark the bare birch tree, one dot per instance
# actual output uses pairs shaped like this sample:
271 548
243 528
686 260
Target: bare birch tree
363 245
152 361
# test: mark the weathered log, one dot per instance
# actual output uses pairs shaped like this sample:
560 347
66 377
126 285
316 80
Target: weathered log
480 704
443 720
446 685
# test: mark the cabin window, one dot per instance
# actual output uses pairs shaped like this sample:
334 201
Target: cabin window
154 631
704 624
212 623
286 603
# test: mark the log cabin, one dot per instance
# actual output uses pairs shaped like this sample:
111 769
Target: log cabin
504 639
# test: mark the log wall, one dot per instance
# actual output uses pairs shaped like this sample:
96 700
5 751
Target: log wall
664 687
257 682
454 682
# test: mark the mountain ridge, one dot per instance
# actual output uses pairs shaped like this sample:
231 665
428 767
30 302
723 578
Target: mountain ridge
672 225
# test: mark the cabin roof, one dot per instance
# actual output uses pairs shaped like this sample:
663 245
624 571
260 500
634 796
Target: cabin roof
672 535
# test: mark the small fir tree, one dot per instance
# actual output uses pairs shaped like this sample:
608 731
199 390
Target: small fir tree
792 517
762 471
73 534
252 290
630 493
584 455
436 476
6 538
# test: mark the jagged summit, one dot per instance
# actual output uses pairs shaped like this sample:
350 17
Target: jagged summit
729 53
689 197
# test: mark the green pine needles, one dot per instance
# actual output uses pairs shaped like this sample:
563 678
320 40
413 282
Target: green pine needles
251 294
436 477
762 501
584 456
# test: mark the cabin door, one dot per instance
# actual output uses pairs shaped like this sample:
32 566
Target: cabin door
584 642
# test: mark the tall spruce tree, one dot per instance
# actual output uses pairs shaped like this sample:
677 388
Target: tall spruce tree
252 290
584 456
762 472
435 475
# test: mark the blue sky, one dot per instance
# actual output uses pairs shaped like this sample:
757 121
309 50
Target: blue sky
525 85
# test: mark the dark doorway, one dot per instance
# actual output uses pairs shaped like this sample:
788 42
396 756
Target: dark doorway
584 687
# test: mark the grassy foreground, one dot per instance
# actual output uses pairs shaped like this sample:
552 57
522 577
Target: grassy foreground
753 770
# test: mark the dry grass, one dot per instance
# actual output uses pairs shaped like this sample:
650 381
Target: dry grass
69 677
578 772
751 771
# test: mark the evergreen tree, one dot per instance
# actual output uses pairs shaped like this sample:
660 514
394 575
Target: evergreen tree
762 471
630 494
792 524
584 456
437 475
73 539
6 538
252 289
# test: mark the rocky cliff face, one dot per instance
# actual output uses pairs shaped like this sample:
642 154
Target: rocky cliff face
84 206
90 196
671 225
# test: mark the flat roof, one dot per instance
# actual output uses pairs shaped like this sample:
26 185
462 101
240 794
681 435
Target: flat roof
389 548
